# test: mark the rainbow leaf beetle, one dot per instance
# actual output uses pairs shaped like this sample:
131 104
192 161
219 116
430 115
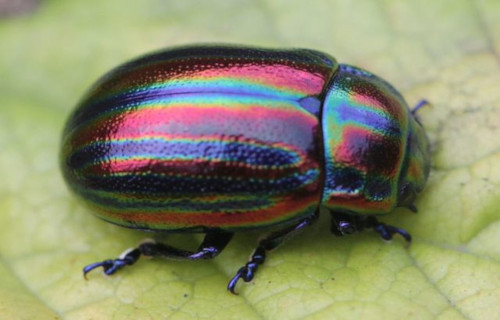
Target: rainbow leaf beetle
219 139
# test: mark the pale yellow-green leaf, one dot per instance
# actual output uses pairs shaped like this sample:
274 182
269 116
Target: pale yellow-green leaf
446 51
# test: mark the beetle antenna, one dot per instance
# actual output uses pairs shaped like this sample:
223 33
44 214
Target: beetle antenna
419 105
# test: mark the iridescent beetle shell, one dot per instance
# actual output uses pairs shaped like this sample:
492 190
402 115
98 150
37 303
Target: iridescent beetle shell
197 138
224 137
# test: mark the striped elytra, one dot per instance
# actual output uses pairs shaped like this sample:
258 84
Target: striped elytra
228 138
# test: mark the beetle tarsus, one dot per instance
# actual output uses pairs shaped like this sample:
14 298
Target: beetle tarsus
248 271
342 222
111 266
388 231
273 240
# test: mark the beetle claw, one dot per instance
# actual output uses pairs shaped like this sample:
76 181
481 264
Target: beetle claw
109 266
247 272
232 284
128 258
387 232
106 265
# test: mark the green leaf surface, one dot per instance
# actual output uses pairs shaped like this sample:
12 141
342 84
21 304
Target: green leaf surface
444 51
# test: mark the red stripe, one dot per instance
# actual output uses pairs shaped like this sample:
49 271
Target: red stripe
284 209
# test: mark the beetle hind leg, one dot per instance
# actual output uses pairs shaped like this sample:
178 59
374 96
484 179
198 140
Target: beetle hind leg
212 245
273 240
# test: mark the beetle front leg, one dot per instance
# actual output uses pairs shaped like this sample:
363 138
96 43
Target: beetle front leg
343 224
273 240
386 231
212 245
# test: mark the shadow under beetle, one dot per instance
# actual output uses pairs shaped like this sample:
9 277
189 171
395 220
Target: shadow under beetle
219 139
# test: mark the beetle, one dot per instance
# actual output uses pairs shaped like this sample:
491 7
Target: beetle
219 139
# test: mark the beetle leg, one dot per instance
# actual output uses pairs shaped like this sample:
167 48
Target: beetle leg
386 231
127 258
212 245
273 240
343 224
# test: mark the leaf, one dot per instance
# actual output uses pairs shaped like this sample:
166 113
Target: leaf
444 51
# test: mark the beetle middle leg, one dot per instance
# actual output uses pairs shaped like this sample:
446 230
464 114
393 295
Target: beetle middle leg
212 245
273 240
343 224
